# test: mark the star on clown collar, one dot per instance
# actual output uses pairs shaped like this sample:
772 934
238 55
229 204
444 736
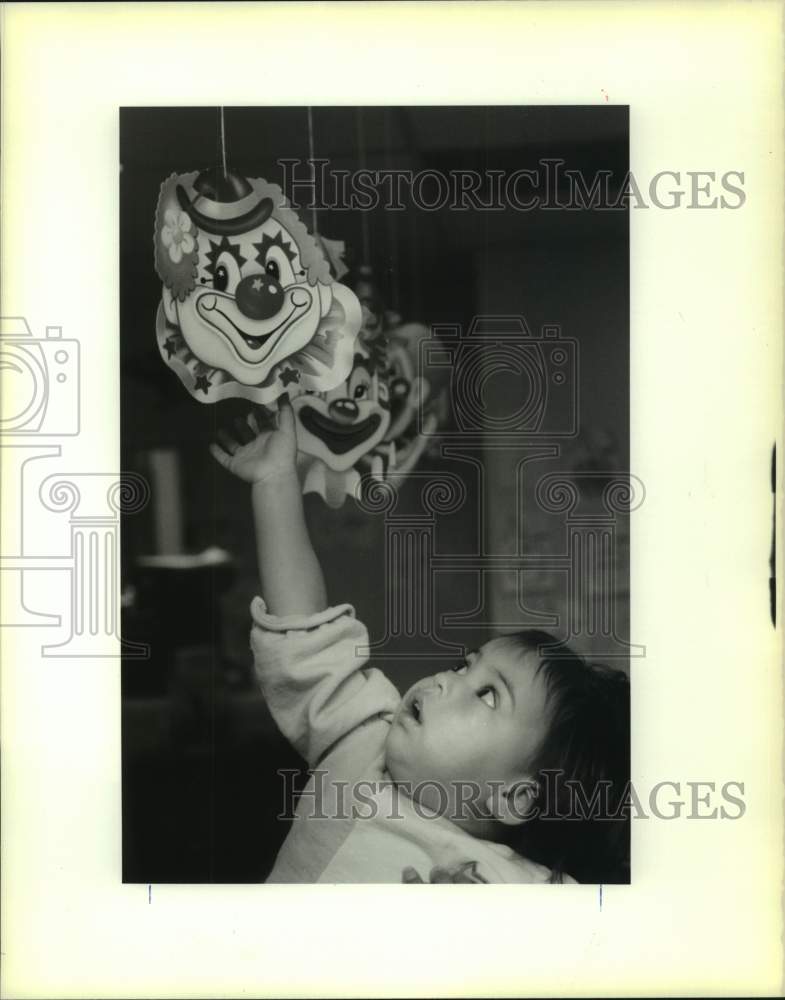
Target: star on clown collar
289 375
203 383
170 346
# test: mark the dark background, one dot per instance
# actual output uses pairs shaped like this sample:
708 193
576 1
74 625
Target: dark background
200 751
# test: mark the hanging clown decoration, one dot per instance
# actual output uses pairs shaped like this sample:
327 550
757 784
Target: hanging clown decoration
250 306
416 407
338 428
364 285
408 390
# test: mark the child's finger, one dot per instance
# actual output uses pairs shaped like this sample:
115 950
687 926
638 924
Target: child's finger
253 423
220 456
226 442
285 415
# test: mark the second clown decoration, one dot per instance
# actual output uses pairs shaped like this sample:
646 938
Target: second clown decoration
339 429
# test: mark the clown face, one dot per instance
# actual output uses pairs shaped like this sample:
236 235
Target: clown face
402 412
342 425
367 292
407 390
252 305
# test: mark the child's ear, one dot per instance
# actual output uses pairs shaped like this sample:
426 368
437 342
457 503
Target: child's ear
515 803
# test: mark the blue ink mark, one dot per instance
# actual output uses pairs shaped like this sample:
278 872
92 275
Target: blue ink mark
149 894
600 897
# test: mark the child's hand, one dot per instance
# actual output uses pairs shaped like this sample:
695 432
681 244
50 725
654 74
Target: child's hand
259 455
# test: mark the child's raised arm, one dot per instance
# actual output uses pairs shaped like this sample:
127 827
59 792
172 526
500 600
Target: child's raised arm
291 577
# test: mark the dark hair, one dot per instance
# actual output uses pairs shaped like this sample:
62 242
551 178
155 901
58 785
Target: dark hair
585 753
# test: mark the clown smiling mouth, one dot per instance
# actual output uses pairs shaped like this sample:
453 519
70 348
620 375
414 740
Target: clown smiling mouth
339 438
255 343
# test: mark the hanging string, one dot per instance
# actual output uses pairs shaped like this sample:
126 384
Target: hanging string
414 262
366 239
414 285
311 158
392 220
223 141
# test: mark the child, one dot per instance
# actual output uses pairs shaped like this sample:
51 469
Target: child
480 774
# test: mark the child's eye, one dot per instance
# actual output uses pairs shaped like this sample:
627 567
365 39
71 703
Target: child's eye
488 695
461 668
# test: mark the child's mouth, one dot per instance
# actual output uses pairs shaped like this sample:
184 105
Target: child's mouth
413 707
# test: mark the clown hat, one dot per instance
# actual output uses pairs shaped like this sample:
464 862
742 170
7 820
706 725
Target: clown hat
223 203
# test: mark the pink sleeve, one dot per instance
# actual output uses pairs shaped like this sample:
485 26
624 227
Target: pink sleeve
315 678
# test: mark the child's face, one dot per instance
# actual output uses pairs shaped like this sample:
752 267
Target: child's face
480 723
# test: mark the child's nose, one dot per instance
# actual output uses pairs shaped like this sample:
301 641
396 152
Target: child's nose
443 680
